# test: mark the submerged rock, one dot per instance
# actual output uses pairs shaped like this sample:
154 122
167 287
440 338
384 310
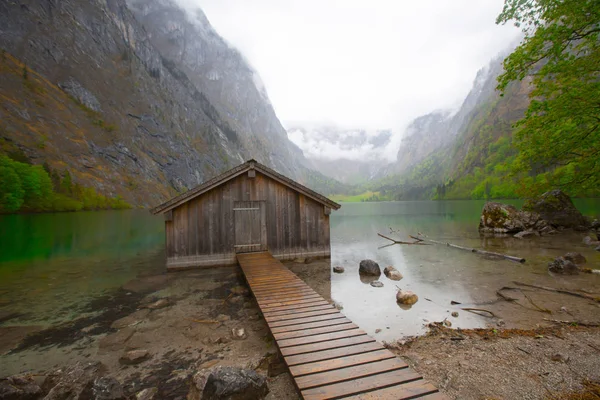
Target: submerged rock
228 383
392 273
563 266
377 284
369 267
527 233
406 297
338 269
557 209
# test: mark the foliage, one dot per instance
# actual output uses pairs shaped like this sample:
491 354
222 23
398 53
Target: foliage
35 188
559 138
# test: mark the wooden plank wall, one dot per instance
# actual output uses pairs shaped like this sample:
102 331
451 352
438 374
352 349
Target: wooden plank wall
201 232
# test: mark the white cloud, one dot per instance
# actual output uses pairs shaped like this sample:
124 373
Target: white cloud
361 63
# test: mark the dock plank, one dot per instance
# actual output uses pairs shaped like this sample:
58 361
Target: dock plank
329 357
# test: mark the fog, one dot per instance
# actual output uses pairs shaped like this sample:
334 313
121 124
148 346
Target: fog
357 64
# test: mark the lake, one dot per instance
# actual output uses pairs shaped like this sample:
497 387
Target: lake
51 264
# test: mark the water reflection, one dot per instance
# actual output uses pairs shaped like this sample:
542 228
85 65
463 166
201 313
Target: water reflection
437 274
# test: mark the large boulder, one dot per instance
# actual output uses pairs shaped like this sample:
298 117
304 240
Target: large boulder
228 383
369 267
557 209
501 218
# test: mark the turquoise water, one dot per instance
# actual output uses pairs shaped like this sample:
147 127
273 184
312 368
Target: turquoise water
52 263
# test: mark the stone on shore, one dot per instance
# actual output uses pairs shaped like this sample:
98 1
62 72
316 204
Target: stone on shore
369 267
376 284
20 387
107 388
134 357
392 273
406 297
228 383
500 218
338 269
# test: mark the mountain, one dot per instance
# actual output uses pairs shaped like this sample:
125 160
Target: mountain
465 154
351 156
132 98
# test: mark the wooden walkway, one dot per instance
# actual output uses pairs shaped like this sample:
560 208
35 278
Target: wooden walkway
328 356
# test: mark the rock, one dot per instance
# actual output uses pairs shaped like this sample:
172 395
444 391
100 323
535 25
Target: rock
557 209
107 388
239 333
134 357
239 290
575 258
131 319
455 314
558 358
500 322
228 383
406 297
338 269
563 266
157 305
590 242
308 260
77 91
501 218
527 233
377 330
392 273
147 394
447 323
597 248
369 267
19 387
73 382
377 284
223 318
273 363
116 341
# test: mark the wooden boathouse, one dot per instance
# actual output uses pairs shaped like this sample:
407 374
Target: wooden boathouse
250 208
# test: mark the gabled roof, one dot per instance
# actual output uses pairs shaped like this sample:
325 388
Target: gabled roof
239 170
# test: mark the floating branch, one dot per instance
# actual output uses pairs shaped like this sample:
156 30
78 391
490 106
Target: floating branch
488 253
549 289
417 241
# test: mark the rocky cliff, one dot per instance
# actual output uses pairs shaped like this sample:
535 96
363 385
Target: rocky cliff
135 99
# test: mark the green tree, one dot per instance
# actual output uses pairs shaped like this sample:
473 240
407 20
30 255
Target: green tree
11 191
560 134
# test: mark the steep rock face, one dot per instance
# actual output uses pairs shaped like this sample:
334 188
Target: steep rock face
191 46
101 100
438 130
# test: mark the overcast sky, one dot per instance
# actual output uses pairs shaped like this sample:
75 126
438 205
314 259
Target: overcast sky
362 63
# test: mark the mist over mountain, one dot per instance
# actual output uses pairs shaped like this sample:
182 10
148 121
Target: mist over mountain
351 156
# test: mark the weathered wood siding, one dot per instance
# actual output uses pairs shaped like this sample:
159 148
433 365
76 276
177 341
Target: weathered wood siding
202 231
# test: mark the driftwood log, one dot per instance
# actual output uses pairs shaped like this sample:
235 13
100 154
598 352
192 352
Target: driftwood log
488 253
549 289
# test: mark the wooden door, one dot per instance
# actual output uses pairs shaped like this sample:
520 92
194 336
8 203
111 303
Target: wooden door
250 226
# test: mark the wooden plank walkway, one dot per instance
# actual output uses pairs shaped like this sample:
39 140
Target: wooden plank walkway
328 356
